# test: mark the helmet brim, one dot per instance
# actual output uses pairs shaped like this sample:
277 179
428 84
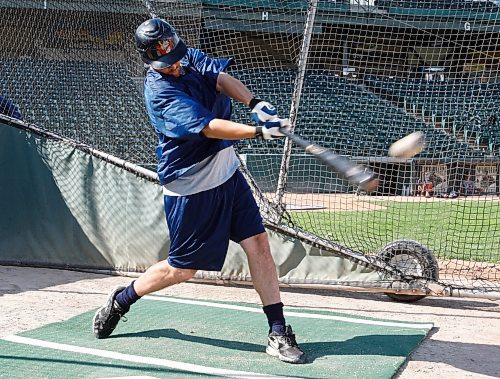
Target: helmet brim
169 59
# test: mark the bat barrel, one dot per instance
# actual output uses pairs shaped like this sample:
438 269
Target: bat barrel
354 173
368 182
347 169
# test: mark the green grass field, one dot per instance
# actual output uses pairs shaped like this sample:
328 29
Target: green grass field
467 230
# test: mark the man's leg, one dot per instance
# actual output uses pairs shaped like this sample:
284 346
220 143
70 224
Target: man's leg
281 340
157 277
262 268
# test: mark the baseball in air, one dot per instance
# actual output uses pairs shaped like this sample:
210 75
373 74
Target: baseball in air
408 146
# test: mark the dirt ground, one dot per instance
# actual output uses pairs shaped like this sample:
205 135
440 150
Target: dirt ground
342 202
465 342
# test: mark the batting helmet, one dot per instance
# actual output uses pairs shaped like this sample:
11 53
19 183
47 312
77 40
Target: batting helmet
158 43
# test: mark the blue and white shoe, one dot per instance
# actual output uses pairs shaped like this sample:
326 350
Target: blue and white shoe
285 347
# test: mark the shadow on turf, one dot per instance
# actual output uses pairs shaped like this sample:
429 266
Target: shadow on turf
383 345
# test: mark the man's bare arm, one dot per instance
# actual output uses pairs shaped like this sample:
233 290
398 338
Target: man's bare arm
233 88
225 129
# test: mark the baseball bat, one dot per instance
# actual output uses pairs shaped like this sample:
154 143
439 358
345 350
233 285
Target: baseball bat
354 173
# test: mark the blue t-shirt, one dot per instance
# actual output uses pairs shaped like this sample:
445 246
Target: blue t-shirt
179 109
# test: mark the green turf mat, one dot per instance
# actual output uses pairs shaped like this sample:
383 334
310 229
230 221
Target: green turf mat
161 339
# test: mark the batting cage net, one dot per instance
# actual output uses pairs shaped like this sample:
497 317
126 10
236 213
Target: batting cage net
353 76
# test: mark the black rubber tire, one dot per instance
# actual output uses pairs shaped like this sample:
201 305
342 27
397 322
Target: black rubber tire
410 257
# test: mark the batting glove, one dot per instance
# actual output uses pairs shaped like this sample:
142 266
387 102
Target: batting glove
262 111
272 129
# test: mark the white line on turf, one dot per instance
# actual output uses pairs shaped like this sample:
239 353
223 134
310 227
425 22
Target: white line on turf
141 359
292 314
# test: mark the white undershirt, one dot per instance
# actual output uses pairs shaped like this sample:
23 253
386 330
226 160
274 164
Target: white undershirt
207 174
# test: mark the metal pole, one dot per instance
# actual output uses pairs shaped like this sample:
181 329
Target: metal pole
297 92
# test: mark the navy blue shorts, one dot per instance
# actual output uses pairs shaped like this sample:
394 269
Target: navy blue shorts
202 224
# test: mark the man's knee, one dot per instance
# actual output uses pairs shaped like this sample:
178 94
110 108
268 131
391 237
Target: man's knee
260 239
183 275
176 275
257 246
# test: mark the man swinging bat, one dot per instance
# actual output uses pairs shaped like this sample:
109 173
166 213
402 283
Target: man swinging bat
207 200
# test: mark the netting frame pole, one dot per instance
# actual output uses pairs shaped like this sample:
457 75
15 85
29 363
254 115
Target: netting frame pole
296 97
